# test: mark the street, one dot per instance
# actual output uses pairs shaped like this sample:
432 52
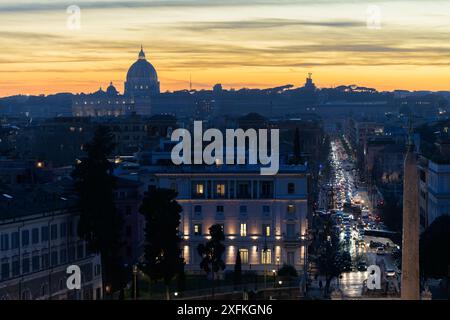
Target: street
342 197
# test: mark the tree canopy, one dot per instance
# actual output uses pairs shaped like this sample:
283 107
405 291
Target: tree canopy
435 248
100 223
162 248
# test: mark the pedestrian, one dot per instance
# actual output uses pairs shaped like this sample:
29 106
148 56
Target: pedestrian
320 284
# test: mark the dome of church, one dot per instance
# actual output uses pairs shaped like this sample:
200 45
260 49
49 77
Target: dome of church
111 90
142 69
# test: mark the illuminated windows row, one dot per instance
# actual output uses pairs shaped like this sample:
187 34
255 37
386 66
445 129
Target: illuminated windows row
245 189
243 229
266 256
242 209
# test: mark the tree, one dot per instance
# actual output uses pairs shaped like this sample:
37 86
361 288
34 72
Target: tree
435 248
162 249
237 275
297 151
329 254
181 280
100 223
287 271
212 252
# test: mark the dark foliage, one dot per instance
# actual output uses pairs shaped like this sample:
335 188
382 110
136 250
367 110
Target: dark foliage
100 223
162 248
435 248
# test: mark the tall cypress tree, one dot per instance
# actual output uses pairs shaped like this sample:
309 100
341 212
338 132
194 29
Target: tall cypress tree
162 248
212 252
100 223
237 275
297 151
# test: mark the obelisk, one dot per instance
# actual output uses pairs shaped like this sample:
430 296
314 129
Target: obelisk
410 285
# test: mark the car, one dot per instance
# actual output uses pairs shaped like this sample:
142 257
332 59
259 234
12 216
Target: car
361 244
362 266
390 273
380 251
348 268
373 244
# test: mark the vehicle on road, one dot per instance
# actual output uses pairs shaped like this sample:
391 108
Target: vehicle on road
348 267
380 251
362 266
375 244
361 244
390 273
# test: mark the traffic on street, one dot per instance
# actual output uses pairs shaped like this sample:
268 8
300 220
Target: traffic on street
360 230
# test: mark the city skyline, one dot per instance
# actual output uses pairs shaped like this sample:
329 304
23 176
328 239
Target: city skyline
238 43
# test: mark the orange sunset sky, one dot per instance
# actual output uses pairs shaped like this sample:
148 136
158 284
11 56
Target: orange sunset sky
239 43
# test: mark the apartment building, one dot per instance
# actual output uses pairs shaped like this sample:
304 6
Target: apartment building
38 241
264 218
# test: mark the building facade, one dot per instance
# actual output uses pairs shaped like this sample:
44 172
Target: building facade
264 218
434 190
38 241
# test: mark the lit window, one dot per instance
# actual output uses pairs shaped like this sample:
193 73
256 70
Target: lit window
266 257
243 229
291 208
266 230
197 229
220 189
199 188
244 255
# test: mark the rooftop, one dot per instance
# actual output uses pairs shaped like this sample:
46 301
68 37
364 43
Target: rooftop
21 201
212 169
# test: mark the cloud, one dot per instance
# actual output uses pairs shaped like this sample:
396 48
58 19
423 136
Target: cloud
266 23
24 6
28 6
21 35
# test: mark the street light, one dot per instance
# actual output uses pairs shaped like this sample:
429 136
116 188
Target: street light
274 273
175 294
108 290
135 271
265 249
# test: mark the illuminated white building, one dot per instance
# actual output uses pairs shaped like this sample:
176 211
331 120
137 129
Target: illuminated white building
263 217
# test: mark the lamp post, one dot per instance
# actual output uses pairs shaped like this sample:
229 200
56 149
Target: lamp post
108 291
274 273
306 239
265 260
135 270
